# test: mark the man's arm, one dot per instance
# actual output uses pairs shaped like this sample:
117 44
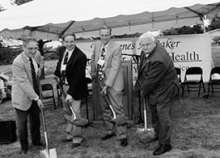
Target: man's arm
57 70
154 75
115 66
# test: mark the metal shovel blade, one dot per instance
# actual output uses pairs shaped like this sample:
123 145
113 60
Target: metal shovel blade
50 154
47 153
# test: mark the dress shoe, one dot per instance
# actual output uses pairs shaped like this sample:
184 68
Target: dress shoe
162 149
75 145
23 152
38 144
124 142
66 140
107 136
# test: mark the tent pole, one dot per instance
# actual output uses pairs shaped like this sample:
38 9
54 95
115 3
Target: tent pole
201 15
65 29
203 23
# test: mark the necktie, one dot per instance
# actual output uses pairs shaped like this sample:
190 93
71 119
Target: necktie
63 73
101 74
34 78
66 58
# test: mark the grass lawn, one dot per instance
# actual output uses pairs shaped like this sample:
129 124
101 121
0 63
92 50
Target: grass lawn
195 130
195 133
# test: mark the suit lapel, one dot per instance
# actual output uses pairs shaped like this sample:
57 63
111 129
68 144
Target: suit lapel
97 51
143 62
108 53
72 56
99 45
27 66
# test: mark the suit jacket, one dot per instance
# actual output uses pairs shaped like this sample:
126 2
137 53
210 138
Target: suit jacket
157 75
22 88
112 67
75 73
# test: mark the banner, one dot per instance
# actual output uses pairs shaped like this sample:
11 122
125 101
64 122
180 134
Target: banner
185 51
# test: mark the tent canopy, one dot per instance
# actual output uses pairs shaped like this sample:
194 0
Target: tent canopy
52 20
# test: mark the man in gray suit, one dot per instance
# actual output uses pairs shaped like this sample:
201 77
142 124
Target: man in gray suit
158 79
106 66
25 96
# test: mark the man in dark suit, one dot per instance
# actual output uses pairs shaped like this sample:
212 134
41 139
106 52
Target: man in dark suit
71 71
106 66
158 79
25 93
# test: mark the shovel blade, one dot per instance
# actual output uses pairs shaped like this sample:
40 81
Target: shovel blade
52 154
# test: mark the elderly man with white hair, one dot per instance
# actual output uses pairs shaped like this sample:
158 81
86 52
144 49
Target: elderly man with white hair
159 83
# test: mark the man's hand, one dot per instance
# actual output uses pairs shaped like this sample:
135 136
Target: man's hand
104 90
39 103
69 98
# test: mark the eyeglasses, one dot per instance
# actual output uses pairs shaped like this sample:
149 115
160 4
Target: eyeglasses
32 48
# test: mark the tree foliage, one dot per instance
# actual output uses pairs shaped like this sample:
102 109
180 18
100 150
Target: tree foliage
19 2
1 8
7 55
196 29
215 24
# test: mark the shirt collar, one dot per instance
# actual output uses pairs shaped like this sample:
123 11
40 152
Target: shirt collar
27 56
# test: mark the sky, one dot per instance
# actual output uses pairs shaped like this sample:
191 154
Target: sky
154 5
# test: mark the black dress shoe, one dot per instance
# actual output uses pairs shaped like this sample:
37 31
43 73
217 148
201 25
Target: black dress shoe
107 136
124 142
162 149
23 152
75 145
66 140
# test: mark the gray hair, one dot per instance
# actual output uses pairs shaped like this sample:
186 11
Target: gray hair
28 39
147 35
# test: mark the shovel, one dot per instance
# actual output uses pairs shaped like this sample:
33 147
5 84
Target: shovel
47 153
145 120
145 134
73 119
117 120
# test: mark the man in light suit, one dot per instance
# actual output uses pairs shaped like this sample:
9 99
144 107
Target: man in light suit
25 99
71 69
107 58
158 79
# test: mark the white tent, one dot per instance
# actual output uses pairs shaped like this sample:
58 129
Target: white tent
49 19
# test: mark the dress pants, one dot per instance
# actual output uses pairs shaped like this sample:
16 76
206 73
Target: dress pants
116 100
34 118
161 119
72 131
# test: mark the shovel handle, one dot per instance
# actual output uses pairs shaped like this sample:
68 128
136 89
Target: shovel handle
74 114
64 96
145 115
45 130
105 96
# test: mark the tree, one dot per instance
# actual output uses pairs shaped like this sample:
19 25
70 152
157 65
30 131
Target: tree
215 24
19 2
196 29
1 8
